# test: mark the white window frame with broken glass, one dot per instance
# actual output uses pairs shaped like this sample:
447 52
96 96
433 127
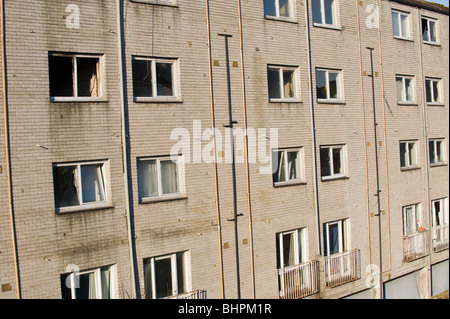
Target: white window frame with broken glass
433 91
409 154
69 82
324 13
279 9
81 186
436 148
405 89
150 83
160 178
288 166
401 28
329 86
282 83
429 30
333 167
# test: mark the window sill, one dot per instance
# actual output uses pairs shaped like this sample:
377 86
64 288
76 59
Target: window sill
149 200
436 104
337 101
328 26
156 3
435 44
438 164
78 100
280 19
275 100
407 103
409 168
80 209
157 100
403 39
333 178
289 183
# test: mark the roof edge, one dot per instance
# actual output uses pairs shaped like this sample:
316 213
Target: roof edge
436 7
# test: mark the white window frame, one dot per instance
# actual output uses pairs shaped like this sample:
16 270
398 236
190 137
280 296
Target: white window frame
403 99
403 35
300 167
75 97
443 213
343 159
88 205
417 216
434 159
300 247
155 97
435 21
339 85
407 156
343 236
278 15
178 160
174 272
74 282
323 23
280 69
430 82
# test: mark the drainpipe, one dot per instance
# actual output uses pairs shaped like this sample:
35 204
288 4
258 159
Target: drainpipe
7 154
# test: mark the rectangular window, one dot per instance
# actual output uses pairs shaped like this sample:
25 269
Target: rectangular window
411 219
80 186
154 79
336 237
75 77
440 212
159 177
282 83
287 166
433 91
400 25
166 276
437 151
429 30
405 89
324 12
291 248
328 85
281 9
96 283
332 161
408 154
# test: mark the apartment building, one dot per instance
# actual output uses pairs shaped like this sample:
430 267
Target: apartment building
224 149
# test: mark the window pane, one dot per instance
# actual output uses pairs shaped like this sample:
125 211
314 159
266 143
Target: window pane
425 33
164 79
440 151
409 221
273 76
181 268
325 168
400 89
293 165
87 77
92 183
316 11
429 93
432 26
142 78
329 14
147 179
284 8
409 90
288 250
404 25
148 278
61 76
432 151
436 97
105 278
412 154
403 155
395 24
333 239
269 8
437 212
163 277
65 186
321 85
288 83
280 174
333 78
169 177
337 165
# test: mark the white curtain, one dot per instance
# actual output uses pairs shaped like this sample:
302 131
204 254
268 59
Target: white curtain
147 179
169 177
92 183
281 167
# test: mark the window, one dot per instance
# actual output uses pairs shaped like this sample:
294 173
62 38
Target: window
400 24
80 186
287 166
166 276
328 85
159 177
429 30
408 154
336 237
332 161
278 8
405 89
324 12
291 248
411 219
440 223
75 77
96 283
436 149
154 79
282 83
433 89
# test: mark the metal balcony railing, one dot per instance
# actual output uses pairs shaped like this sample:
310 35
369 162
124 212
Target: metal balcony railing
299 281
342 268
415 245
440 237
195 294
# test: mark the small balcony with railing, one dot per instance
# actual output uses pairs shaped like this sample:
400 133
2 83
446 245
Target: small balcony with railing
440 237
299 281
415 245
342 268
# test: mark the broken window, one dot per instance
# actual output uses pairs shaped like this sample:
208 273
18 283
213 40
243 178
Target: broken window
324 12
429 32
405 89
328 85
74 76
332 161
89 284
153 78
433 91
400 24
436 149
166 276
78 186
287 165
278 8
282 83
408 154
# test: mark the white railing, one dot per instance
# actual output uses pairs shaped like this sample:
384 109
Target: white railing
342 268
195 294
440 237
415 245
299 281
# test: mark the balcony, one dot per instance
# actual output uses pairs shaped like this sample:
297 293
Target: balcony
299 281
440 237
195 294
415 245
342 268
